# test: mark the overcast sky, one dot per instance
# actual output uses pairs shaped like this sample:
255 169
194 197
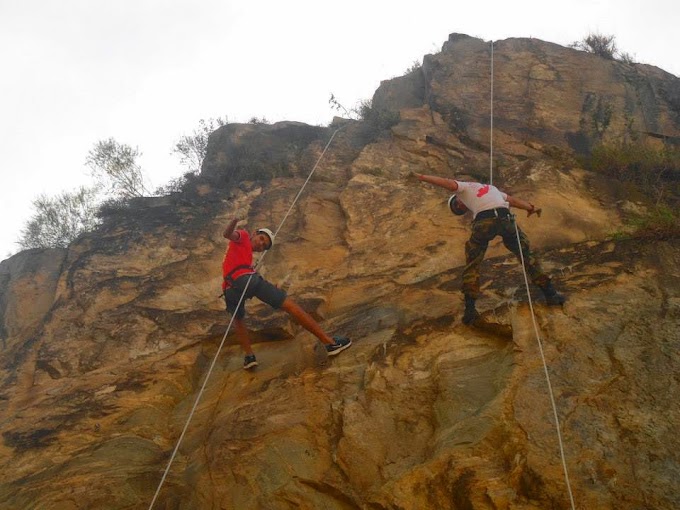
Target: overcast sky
146 71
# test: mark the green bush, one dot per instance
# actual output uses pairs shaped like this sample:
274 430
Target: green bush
178 184
114 166
604 46
191 149
415 66
375 120
58 220
661 222
598 44
259 121
654 171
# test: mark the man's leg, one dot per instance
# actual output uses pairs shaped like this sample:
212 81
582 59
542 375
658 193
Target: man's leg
475 248
532 263
306 321
243 336
232 297
277 298
333 345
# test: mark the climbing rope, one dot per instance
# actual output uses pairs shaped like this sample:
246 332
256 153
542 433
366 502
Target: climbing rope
533 315
219 349
285 217
545 368
491 124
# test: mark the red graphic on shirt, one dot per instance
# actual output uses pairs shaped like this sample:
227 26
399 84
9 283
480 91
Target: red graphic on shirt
483 191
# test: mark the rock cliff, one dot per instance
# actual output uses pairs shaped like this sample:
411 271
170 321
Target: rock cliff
105 345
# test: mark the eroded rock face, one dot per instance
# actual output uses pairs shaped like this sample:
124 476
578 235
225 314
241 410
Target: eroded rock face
106 345
543 93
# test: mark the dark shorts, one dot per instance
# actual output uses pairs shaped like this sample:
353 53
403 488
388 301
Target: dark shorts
258 287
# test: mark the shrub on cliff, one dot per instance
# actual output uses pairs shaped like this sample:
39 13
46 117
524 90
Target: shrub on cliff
59 220
598 44
115 168
376 120
659 222
191 149
655 171
603 46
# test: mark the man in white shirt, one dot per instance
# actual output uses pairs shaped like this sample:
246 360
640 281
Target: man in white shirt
490 209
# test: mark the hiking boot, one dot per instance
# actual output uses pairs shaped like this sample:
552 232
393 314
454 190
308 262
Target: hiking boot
552 297
340 344
249 361
470 314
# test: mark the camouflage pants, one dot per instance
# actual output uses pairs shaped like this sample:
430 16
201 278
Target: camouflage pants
484 231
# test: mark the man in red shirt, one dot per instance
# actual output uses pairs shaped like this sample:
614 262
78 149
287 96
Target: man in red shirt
239 275
490 209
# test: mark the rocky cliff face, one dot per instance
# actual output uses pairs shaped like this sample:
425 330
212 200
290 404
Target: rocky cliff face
105 345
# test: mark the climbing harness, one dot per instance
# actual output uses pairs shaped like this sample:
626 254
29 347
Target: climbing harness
511 217
219 349
502 213
229 277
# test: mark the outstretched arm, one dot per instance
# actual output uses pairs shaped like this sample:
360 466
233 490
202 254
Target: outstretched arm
230 232
449 184
523 204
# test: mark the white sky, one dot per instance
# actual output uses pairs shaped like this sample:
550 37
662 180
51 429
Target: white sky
73 72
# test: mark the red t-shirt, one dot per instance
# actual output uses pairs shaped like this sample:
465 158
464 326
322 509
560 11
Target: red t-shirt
239 253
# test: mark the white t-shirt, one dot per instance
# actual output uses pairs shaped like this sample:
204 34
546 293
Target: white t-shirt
481 197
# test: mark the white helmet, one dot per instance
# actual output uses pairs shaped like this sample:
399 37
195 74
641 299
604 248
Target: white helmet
268 233
453 202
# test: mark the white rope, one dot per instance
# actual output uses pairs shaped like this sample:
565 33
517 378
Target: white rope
531 307
491 130
198 398
545 368
306 181
219 349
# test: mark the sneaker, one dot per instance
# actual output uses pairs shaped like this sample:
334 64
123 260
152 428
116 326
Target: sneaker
249 361
552 297
555 299
469 316
341 343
